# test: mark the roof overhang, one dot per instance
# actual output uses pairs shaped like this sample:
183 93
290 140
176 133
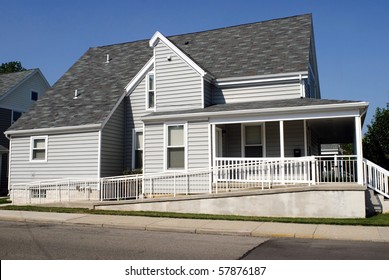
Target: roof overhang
351 109
54 130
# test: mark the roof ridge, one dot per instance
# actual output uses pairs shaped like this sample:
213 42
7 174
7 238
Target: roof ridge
240 25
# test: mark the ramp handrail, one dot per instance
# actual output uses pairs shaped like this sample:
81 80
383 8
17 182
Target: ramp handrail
375 177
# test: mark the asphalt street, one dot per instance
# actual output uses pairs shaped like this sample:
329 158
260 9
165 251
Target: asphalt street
26 240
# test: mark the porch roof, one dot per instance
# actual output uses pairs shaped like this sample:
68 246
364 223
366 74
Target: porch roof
261 107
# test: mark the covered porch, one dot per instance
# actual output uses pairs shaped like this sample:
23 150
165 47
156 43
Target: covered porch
278 150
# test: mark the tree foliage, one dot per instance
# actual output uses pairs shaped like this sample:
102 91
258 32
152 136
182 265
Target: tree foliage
11 67
376 140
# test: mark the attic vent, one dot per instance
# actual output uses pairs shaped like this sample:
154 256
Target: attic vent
75 94
186 43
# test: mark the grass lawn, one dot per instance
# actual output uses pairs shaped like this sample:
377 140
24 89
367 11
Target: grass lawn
377 220
4 200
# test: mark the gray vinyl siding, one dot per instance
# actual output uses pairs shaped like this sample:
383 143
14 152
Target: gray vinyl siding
233 140
135 108
112 144
68 155
207 94
178 86
198 145
20 98
272 139
255 93
294 137
315 146
153 148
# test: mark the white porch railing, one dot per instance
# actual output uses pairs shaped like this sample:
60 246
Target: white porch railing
331 169
264 172
376 177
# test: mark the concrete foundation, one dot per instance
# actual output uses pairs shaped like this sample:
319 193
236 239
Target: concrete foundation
334 201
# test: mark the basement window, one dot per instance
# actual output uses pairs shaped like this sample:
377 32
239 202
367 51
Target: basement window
36 193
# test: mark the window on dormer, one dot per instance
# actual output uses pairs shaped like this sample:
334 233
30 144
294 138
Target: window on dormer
150 98
34 95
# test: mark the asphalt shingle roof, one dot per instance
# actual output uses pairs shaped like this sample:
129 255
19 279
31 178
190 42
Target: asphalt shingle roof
10 80
269 47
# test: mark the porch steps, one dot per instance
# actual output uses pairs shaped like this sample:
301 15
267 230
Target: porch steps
373 202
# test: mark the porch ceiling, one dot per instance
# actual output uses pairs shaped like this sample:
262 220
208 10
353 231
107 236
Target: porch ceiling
340 130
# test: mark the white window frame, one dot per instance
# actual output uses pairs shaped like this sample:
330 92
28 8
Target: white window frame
185 146
32 139
263 136
134 132
148 108
37 97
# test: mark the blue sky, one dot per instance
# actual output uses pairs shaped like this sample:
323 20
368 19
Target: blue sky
352 37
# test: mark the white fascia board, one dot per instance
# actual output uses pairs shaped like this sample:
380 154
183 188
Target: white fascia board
281 111
54 130
134 82
238 81
159 37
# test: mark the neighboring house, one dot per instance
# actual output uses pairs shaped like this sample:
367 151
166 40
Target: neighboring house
18 91
331 149
235 97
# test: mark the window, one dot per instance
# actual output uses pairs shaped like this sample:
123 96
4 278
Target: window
175 147
34 95
16 115
39 148
138 150
150 98
37 193
253 145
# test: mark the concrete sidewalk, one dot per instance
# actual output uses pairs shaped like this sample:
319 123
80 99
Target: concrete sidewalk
254 229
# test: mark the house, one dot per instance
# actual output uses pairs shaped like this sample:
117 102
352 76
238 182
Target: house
228 108
18 91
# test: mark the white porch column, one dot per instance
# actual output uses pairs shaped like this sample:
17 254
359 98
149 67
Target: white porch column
213 129
282 142
358 150
282 152
305 139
